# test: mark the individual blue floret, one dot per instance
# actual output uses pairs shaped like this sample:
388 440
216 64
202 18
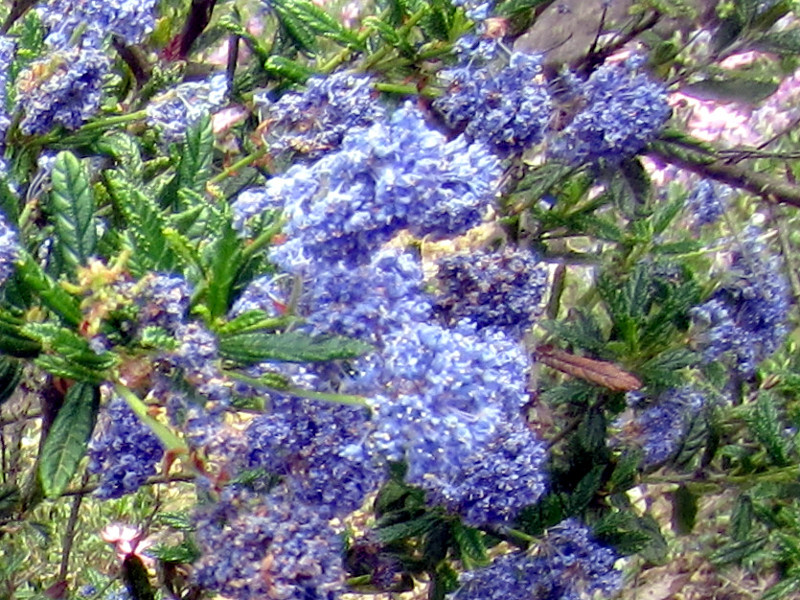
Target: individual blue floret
177 109
94 20
746 319
566 565
124 453
313 122
390 176
271 547
492 289
622 110
507 105
65 88
660 428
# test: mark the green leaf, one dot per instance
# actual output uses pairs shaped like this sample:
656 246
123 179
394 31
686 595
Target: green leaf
512 7
10 499
53 296
254 347
631 188
765 423
125 151
194 169
281 67
625 473
586 489
13 340
663 370
63 367
184 553
252 320
470 544
784 43
136 579
742 518
301 32
407 529
66 442
304 20
223 258
684 510
738 551
10 376
731 89
72 207
783 589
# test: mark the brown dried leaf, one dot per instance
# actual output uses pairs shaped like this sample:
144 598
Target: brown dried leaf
599 372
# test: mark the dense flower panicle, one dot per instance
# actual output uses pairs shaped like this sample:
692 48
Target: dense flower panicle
130 20
390 176
567 565
198 356
163 301
7 52
65 88
496 481
507 105
621 112
492 289
318 449
369 301
177 109
660 427
746 320
124 453
9 249
314 122
267 548
706 202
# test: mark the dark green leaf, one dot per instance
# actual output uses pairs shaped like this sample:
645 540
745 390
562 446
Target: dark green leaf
550 510
742 518
684 510
176 520
408 529
625 473
788 588
184 553
738 551
470 543
125 151
63 367
254 347
301 32
136 579
10 376
194 169
728 31
10 498
512 7
223 258
443 582
765 423
72 208
303 20
66 442
732 89
53 296
286 69
785 43
656 548
586 489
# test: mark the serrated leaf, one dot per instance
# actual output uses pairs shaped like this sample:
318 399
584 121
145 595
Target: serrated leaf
184 553
631 187
72 208
281 67
738 551
303 20
684 510
626 471
298 29
125 151
223 259
10 498
62 367
765 423
69 435
10 376
252 320
254 347
176 520
742 518
407 529
586 489
783 589
785 43
53 296
470 543
194 169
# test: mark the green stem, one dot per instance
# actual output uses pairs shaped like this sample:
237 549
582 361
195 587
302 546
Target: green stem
242 162
384 51
347 399
162 432
109 122
262 240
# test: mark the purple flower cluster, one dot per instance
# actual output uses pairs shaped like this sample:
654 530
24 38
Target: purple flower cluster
198 358
163 301
315 121
9 249
7 52
745 321
124 453
622 110
492 289
706 202
317 448
267 548
566 565
390 176
505 104
64 88
177 109
267 293
441 400
659 428
94 20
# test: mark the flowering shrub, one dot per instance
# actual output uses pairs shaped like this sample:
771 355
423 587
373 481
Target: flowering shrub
334 307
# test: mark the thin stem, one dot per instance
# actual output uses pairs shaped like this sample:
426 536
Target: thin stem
242 162
69 534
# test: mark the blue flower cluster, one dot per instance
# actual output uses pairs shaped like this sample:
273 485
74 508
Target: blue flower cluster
706 202
315 121
745 320
64 88
390 176
659 428
95 20
492 289
622 110
317 448
267 548
177 109
267 293
566 565
9 249
505 104
163 301
198 358
7 52
124 453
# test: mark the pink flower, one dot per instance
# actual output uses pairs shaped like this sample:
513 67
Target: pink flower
128 540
